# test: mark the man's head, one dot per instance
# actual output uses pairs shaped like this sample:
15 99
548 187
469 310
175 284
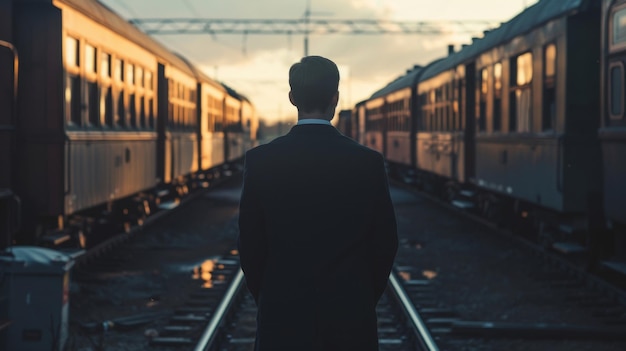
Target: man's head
314 82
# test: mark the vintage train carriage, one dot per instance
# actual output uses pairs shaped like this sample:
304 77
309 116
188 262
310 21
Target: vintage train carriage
613 121
443 148
86 108
535 108
375 126
398 102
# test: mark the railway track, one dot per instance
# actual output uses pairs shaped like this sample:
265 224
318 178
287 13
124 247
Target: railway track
233 325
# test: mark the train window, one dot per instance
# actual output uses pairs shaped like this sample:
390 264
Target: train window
72 100
619 27
105 65
93 106
119 70
130 74
549 88
142 112
72 52
616 95
120 117
497 97
91 60
524 69
151 113
139 76
520 103
148 79
132 110
482 99
106 107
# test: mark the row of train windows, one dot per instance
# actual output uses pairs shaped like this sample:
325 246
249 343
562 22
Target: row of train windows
181 116
437 116
520 94
96 60
94 106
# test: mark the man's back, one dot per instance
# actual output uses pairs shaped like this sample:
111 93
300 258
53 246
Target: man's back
318 236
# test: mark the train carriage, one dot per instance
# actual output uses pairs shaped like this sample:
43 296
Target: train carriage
88 103
398 119
440 139
508 125
108 121
535 114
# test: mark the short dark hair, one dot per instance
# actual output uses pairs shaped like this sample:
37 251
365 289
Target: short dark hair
313 81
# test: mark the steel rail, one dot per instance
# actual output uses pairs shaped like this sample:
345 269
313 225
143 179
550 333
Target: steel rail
425 339
211 331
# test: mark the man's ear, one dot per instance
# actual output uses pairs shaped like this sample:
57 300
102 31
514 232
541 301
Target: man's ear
291 99
335 99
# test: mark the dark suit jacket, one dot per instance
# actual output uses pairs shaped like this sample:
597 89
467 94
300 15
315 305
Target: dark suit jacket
317 240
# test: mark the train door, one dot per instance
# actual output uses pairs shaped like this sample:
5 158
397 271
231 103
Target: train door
468 116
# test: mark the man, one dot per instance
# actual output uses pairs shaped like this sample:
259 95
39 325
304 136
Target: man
317 227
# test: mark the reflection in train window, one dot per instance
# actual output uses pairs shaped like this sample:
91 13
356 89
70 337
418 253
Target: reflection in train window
148 78
619 27
132 110
93 106
130 71
497 97
142 112
72 100
483 87
120 118
549 88
520 103
151 113
617 91
119 70
105 69
90 59
71 52
106 107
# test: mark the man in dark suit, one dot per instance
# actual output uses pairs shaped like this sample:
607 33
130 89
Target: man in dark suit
317 227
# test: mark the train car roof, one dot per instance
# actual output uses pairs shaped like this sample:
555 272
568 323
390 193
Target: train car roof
232 92
110 19
201 76
535 15
401 82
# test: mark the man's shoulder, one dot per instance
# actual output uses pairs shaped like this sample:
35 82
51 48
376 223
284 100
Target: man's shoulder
260 149
361 149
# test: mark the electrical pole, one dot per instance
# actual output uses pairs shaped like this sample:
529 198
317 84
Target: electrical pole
307 16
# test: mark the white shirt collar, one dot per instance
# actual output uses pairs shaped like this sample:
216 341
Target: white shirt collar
313 121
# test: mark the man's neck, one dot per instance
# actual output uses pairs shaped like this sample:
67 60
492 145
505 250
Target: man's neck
313 115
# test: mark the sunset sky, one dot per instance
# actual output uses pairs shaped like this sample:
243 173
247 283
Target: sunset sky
257 65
